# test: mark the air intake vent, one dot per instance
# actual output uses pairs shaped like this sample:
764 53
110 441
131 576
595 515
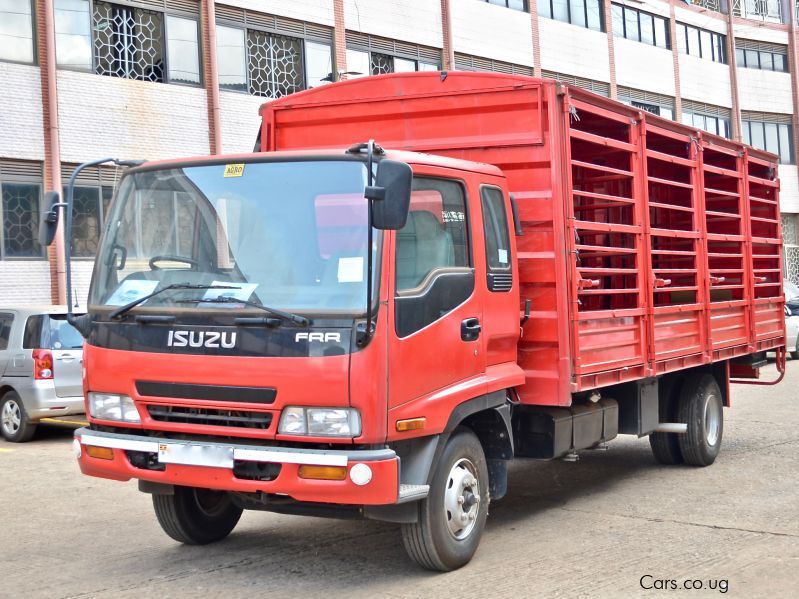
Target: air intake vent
500 281
211 417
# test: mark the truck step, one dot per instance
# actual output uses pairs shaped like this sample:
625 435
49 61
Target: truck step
412 493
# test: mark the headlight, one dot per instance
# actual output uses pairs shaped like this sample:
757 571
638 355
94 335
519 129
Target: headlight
320 422
109 406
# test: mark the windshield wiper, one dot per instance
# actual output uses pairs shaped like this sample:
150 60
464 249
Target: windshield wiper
295 318
123 309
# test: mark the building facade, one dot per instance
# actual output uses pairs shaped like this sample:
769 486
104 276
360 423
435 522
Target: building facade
153 79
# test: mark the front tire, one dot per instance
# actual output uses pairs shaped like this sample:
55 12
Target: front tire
452 517
14 422
700 407
196 516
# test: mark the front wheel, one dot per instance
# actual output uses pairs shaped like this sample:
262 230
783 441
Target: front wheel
701 408
14 422
452 517
196 516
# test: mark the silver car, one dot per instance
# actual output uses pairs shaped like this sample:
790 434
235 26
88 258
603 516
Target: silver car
41 357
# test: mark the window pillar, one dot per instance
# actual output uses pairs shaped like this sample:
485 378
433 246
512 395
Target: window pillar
608 16
675 53
339 41
533 6
45 40
448 52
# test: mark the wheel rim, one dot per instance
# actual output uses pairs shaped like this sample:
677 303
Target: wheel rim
12 417
210 503
462 499
712 420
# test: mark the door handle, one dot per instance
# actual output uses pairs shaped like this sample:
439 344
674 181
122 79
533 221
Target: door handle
470 329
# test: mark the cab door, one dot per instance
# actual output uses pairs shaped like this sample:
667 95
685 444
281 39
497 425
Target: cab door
436 346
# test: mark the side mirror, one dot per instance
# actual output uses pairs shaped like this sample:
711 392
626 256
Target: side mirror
48 218
392 195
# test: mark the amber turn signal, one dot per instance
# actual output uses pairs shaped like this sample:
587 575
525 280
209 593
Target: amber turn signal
412 424
103 453
323 472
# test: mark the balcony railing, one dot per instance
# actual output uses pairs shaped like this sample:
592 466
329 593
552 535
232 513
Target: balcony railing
762 10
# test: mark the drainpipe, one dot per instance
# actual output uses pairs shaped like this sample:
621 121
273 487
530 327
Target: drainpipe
733 62
52 141
212 79
448 52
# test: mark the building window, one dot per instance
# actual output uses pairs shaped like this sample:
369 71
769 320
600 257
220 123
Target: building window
765 60
19 211
514 4
765 10
701 42
584 13
712 123
361 63
270 64
16 31
127 42
651 102
776 138
73 36
640 26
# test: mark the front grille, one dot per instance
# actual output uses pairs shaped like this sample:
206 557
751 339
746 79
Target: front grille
211 417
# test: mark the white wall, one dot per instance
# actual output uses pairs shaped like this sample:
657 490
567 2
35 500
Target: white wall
789 188
645 67
21 132
754 30
81 278
24 282
703 80
765 91
239 121
417 21
492 31
314 11
573 50
107 116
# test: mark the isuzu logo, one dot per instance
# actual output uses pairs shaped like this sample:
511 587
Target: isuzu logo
211 339
321 337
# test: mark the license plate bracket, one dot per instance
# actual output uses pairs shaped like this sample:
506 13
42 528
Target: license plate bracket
195 455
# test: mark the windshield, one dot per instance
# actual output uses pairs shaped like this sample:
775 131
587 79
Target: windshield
288 235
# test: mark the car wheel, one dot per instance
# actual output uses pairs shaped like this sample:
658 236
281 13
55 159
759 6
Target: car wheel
14 422
452 517
701 408
196 516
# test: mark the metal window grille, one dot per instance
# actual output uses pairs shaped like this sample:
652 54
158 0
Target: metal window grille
380 64
20 216
765 10
128 42
790 237
275 64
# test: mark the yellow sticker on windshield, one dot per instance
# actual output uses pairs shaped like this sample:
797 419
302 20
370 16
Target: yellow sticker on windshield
234 170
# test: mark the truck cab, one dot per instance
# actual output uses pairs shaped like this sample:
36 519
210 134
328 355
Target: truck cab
229 363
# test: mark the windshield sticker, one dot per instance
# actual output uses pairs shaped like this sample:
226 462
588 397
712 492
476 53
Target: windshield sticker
234 170
503 256
130 291
242 291
350 270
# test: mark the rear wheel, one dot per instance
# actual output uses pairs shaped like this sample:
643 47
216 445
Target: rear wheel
14 422
196 516
700 407
452 517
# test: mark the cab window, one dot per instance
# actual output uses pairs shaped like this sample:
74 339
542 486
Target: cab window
497 239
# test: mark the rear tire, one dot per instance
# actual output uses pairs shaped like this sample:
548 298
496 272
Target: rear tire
196 516
14 422
700 406
452 517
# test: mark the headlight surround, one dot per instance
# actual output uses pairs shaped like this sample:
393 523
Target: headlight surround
320 422
111 406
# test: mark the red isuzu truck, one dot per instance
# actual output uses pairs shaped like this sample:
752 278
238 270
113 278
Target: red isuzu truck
545 269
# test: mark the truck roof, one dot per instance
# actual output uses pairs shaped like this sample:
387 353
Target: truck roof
401 155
